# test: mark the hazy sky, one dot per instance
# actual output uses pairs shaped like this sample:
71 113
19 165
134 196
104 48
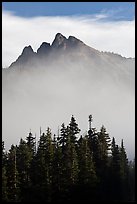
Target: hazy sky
104 26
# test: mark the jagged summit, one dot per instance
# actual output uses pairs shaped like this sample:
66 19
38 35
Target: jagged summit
44 48
25 56
59 41
71 49
73 39
27 50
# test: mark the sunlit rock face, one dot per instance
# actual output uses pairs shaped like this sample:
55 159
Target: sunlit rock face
44 88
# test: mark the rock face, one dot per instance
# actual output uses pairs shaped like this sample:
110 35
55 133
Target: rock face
43 49
27 55
58 46
60 41
27 51
74 41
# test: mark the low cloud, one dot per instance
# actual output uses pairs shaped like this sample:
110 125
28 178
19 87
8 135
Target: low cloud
94 30
36 99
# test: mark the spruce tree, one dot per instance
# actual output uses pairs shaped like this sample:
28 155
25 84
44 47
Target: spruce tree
99 143
44 159
124 173
73 129
115 172
120 170
13 189
24 161
31 142
87 174
63 136
57 168
104 147
40 160
131 177
4 174
70 162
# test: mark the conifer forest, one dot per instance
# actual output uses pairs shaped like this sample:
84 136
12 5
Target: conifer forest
67 167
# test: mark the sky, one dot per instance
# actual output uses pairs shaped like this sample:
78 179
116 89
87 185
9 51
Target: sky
106 26
29 9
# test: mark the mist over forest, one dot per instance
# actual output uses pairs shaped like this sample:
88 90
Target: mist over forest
44 88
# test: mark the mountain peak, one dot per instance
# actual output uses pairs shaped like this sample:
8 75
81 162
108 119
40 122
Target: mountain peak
59 36
44 48
27 50
59 40
73 41
25 56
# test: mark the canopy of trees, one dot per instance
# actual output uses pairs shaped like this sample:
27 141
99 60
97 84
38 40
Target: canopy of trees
67 167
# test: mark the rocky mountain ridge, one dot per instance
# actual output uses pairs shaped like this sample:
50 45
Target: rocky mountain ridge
63 48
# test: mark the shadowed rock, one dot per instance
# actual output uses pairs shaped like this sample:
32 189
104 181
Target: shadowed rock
44 49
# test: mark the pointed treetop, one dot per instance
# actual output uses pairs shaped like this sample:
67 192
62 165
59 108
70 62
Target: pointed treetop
90 120
103 129
40 131
122 144
73 126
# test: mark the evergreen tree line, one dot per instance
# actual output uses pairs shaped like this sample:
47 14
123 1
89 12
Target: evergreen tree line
65 167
